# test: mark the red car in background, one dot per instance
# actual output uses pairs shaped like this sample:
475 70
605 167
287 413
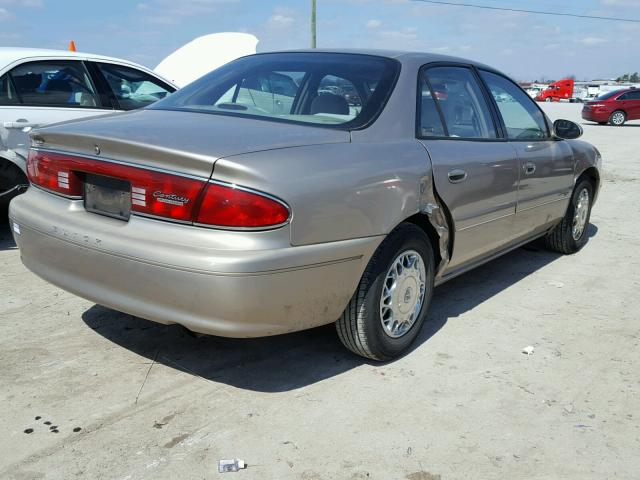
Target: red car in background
615 107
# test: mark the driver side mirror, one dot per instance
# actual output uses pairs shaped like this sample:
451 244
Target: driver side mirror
567 130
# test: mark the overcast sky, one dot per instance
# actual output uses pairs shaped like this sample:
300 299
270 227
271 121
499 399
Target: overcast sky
526 46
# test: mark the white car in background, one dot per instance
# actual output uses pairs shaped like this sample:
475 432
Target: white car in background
39 87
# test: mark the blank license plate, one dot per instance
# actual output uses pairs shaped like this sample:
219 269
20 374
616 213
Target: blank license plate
107 196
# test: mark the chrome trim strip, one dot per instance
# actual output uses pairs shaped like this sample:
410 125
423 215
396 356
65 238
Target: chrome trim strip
58 194
485 222
477 263
531 207
157 217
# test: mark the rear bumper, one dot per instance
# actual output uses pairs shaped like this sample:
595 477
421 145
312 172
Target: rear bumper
222 283
595 115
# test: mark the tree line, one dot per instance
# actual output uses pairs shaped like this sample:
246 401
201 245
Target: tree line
629 77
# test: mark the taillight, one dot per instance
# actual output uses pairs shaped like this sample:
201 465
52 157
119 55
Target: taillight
233 207
152 193
46 170
161 194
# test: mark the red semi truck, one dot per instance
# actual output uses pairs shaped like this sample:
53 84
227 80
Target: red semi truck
560 90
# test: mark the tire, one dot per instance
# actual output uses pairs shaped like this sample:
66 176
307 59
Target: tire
10 176
548 100
618 118
602 123
564 238
361 327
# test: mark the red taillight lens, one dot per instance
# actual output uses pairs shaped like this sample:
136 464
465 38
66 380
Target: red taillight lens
46 170
228 206
152 193
160 194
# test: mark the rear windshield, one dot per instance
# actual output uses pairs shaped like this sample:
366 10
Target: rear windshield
608 95
346 91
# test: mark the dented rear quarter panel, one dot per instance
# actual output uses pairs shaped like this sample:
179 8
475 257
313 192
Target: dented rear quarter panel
337 192
585 156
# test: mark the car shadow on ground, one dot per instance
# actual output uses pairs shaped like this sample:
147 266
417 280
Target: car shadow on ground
607 125
287 362
6 238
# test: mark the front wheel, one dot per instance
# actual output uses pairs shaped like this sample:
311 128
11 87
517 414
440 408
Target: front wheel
571 235
390 304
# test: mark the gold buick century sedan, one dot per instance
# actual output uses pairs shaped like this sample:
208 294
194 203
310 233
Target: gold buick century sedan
289 190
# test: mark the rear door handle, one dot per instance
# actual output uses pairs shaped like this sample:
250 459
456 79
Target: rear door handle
457 176
529 168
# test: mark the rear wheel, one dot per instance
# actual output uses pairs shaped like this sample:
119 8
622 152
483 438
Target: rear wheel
571 235
548 100
618 118
385 314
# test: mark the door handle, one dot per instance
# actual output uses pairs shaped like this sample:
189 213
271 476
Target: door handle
19 125
457 176
529 168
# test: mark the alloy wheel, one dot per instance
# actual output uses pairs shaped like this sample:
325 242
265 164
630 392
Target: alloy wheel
617 118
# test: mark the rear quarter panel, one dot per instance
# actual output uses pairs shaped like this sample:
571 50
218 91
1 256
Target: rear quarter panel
585 156
338 191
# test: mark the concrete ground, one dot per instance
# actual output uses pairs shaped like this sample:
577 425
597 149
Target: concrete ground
134 400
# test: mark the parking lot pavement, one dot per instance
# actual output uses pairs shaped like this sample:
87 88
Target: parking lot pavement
153 402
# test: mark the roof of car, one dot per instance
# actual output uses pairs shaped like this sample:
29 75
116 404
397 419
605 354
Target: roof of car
404 56
11 54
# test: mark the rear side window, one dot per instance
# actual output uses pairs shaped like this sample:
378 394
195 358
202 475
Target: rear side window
7 92
607 95
630 96
522 118
54 84
459 99
133 88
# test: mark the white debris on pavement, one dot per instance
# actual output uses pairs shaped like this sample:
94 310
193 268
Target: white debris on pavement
528 350
225 466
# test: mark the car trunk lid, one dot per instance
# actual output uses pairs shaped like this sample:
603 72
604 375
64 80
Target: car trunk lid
184 142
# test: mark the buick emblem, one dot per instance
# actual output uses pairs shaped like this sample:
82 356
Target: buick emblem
97 149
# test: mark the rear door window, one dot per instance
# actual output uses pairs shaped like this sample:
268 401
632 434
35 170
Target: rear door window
521 116
630 96
54 83
460 101
133 88
430 124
